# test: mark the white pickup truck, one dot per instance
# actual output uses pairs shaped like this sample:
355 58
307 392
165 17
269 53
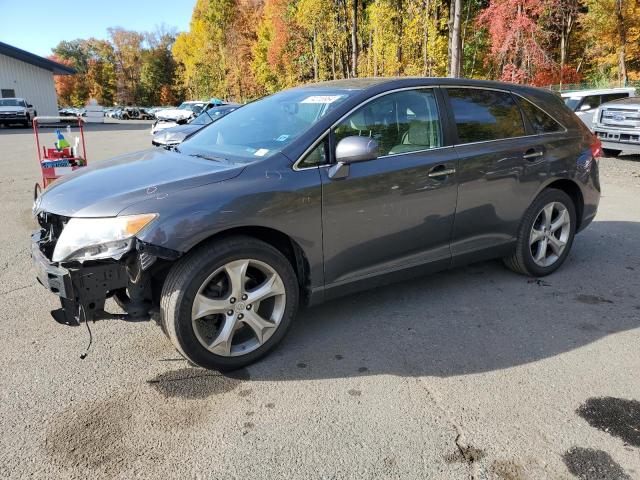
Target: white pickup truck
617 125
585 102
16 110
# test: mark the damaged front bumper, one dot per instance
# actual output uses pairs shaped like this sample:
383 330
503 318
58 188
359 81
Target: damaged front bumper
83 289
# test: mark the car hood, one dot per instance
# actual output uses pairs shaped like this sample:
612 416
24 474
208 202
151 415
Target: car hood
12 109
177 133
173 113
106 188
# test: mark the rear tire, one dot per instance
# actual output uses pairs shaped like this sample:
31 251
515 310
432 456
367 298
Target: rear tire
550 224
207 277
608 152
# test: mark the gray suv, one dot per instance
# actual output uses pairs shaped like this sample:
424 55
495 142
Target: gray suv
617 125
313 193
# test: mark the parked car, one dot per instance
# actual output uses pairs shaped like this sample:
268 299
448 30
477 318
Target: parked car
135 113
170 117
585 102
175 135
16 111
617 125
313 193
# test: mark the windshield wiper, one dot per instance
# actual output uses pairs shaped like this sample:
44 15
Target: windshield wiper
208 157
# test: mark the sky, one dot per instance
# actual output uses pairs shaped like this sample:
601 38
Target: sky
38 25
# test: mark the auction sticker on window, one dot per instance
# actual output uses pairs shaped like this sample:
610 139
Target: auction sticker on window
321 99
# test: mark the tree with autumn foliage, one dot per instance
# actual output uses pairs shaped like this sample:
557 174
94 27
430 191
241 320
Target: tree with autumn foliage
243 49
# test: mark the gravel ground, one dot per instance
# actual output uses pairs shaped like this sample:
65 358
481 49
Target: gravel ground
471 373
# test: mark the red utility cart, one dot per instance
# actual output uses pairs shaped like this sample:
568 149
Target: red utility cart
56 162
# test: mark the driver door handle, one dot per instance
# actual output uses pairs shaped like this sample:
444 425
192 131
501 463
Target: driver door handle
440 171
531 154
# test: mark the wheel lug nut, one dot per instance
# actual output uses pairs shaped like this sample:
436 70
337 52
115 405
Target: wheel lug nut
229 312
249 307
240 317
244 296
232 300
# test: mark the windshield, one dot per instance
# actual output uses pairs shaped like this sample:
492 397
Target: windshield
572 102
194 107
12 102
264 127
211 115
202 119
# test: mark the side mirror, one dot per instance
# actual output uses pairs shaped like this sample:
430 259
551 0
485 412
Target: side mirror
29 105
350 150
585 107
356 149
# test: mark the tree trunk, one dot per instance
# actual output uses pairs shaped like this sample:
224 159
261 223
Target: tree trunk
425 37
354 40
369 50
333 63
314 46
455 46
374 46
622 47
399 30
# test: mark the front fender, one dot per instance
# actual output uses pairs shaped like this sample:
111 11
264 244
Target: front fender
266 194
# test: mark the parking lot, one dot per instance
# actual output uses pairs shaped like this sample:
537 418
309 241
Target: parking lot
471 373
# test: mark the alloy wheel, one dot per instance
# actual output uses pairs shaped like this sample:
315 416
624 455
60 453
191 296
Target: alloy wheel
238 307
549 234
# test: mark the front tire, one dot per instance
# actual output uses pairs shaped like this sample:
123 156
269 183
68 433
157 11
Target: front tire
229 303
545 235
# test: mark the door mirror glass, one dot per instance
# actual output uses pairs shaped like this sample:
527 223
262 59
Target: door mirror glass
356 149
585 107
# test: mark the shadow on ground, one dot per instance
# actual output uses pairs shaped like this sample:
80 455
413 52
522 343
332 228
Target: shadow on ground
474 319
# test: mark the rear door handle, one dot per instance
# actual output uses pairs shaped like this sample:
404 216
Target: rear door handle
441 171
532 154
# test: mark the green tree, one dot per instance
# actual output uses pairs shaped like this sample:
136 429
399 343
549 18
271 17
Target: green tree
200 52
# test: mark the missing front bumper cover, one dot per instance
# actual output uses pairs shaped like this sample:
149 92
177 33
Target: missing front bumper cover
84 286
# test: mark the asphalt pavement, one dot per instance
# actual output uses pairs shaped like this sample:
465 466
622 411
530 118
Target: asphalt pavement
471 373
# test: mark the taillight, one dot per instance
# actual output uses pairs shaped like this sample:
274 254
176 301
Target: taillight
596 147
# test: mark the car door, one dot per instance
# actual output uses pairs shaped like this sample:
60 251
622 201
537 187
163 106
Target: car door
395 211
500 168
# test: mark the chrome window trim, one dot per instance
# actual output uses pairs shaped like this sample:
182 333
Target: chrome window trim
431 87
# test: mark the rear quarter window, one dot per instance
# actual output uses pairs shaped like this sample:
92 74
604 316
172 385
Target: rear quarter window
484 115
540 121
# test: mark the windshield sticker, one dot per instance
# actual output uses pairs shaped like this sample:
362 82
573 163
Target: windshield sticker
261 152
282 138
321 99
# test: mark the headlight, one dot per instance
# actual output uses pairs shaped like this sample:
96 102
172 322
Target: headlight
95 238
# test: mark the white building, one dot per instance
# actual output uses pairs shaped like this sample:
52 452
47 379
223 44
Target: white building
28 76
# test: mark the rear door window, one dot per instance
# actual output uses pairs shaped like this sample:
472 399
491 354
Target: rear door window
482 115
539 120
